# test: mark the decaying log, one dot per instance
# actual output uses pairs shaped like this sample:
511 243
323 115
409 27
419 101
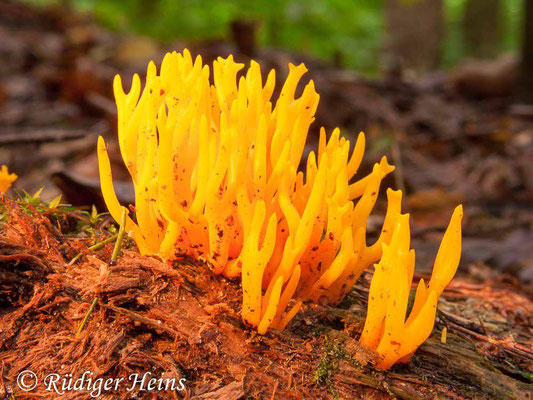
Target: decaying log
183 321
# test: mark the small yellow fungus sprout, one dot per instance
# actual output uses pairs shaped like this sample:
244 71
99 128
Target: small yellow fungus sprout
6 179
386 329
443 335
215 172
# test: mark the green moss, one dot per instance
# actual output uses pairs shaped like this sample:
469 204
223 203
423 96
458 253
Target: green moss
328 365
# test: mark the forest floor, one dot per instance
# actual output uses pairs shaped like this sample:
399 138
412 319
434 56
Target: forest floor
453 137
181 321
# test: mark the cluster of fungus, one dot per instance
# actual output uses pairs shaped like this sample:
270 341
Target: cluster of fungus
215 168
386 329
6 179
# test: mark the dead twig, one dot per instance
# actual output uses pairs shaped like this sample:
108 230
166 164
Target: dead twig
43 136
156 324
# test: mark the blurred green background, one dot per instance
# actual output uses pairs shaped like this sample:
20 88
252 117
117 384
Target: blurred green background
352 31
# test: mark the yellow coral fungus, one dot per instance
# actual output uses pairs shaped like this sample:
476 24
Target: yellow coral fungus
386 328
215 173
6 179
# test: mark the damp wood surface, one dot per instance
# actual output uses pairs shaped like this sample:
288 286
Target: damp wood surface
181 320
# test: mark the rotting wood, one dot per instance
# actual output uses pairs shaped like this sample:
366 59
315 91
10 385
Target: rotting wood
181 319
